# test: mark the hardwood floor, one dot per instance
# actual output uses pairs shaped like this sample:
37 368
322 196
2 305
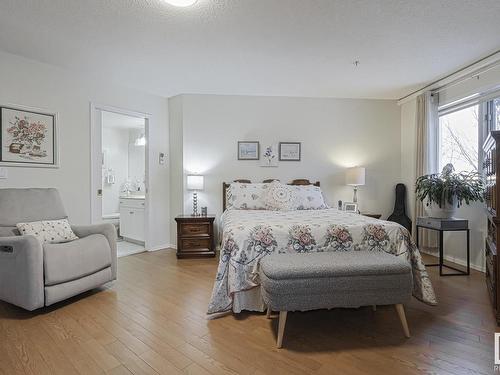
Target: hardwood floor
152 321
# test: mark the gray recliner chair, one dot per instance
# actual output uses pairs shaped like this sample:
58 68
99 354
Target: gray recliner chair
33 275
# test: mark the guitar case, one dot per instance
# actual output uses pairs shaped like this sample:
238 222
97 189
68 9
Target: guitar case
399 214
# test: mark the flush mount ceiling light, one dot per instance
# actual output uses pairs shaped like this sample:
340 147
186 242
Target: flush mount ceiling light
181 3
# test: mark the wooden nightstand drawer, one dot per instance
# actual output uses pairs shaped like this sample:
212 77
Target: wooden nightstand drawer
195 236
189 244
195 229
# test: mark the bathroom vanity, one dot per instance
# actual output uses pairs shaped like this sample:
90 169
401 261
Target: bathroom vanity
132 218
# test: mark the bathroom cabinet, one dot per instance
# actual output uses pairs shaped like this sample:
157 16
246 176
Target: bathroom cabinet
132 219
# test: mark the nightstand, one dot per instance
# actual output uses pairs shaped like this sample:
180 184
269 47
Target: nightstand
375 216
195 236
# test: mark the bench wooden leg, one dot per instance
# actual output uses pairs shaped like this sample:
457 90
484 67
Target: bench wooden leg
268 314
281 328
401 312
374 307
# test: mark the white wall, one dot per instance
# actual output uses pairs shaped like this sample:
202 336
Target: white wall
127 161
176 160
408 154
455 243
115 146
136 159
335 134
35 84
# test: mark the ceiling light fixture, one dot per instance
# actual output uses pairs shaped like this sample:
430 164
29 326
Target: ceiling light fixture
181 3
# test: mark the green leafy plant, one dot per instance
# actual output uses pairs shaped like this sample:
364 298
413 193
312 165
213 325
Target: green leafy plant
448 185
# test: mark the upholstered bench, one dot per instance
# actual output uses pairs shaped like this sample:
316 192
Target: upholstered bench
291 282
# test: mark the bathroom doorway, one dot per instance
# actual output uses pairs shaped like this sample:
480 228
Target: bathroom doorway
119 173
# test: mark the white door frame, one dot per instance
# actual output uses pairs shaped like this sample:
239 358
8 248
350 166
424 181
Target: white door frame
96 163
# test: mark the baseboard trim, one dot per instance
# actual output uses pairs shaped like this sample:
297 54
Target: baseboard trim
137 242
449 258
162 247
424 251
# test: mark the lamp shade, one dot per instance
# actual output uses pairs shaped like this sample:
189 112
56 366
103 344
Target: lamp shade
195 182
355 176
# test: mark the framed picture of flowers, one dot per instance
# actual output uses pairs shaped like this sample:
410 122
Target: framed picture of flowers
269 156
28 138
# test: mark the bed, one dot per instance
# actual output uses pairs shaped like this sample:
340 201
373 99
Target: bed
248 235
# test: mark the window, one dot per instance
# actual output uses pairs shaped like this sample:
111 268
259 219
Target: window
496 106
458 139
493 114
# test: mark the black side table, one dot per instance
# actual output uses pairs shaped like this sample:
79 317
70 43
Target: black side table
446 225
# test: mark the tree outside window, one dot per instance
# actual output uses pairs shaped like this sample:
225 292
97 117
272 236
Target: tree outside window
458 139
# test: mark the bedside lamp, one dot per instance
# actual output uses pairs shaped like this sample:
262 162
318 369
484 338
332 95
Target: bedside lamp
355 177
195 183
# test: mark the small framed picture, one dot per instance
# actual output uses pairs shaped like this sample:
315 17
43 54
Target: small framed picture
28 137
289 151
248 150
351 207
269 156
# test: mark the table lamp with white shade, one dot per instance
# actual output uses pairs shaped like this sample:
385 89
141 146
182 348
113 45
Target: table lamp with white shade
355 177
195 183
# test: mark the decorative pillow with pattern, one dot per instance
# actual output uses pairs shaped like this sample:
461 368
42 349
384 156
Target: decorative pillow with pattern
242 196
48 231
309 197
281 197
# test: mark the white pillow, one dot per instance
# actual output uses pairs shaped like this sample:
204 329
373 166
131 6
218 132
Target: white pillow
309 197
242 196
281 197
48 231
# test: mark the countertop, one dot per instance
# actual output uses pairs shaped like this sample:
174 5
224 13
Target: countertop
138 197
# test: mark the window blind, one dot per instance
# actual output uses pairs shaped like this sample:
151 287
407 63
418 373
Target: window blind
469 101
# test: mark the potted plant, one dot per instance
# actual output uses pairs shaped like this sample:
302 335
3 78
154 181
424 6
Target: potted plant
444 192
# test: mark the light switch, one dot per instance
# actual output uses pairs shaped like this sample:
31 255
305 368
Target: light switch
161 158
3 173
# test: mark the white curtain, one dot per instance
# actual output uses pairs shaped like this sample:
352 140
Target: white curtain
427 158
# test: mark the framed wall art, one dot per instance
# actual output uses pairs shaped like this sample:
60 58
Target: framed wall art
289 151
248 150
28 137
269 156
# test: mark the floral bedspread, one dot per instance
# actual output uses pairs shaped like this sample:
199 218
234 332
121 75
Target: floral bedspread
250 235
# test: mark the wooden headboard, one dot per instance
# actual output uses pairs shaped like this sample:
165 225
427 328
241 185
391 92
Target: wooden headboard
300 181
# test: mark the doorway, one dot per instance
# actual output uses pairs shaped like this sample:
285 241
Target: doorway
120 175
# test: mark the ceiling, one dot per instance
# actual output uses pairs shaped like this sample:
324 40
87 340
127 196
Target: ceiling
117 120
256 47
